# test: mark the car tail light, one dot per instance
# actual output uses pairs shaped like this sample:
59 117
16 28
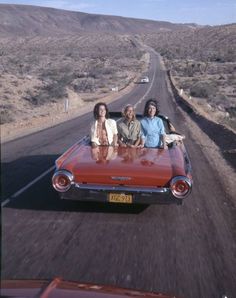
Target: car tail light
62 180
180 186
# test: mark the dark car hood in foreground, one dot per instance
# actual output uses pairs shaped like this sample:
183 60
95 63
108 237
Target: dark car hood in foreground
147 166
58 288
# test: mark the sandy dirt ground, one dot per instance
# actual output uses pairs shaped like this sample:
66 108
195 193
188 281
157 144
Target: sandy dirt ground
54 113
212 152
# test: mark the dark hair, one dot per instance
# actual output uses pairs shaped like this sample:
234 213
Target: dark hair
96 109
152 102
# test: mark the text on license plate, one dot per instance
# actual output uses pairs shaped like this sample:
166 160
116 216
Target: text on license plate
119 198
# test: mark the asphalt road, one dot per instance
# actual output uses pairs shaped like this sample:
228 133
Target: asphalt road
186 250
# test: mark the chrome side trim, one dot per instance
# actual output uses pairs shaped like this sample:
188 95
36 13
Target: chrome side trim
119 188
85 138
120 178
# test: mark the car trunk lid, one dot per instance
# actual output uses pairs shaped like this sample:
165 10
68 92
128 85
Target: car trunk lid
124 166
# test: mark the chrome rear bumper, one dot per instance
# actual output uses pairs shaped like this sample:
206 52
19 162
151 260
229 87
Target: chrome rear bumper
120 188
100 193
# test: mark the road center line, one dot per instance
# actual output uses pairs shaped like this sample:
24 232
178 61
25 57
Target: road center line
150 87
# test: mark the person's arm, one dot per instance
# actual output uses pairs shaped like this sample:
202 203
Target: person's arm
115 138
170 126
142 143
115 133
137 142
138 132
94 145
120 137
163 139
93 136
121 143
163 135
142 136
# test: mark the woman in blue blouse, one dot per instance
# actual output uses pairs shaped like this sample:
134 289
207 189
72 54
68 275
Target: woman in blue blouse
152 127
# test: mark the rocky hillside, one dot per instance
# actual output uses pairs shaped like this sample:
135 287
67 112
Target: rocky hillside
24 20
208 43
203 63
49 55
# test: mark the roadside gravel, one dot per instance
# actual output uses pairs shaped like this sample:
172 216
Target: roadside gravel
53 116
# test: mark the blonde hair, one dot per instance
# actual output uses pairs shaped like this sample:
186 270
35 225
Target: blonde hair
125 108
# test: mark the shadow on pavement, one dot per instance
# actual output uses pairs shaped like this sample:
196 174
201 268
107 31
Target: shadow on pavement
52 202
16 174
41 195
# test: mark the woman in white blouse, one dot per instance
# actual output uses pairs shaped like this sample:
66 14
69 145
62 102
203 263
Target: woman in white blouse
103 130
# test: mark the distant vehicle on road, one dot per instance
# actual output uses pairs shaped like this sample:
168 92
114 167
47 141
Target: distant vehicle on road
123 174
144 79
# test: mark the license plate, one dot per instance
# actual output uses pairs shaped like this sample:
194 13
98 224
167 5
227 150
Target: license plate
119 198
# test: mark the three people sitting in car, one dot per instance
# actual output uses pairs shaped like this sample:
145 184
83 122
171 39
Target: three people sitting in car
128 131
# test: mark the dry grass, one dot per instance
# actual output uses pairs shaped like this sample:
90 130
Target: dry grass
39 71
203 63
215 93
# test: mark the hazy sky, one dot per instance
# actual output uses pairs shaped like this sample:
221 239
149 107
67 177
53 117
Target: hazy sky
203 12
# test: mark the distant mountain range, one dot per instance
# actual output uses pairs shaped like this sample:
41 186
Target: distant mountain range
22 20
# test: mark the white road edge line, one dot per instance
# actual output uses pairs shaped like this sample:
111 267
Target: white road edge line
16 194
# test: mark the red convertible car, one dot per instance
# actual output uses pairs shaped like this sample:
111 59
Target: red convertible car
58 288
125 175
